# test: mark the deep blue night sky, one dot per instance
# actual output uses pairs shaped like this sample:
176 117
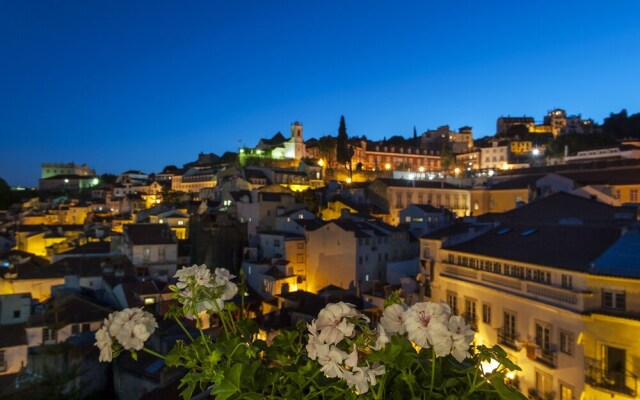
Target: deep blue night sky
138 85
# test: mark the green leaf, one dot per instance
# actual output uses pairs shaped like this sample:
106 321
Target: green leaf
134 355
504 391
230 385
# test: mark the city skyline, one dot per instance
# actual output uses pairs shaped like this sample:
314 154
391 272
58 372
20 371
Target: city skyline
123 87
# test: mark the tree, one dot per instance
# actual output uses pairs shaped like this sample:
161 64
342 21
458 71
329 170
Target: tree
344 152
327 149
447 158
5 195
415 136
108 179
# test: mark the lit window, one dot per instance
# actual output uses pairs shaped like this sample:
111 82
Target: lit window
149 300
180 222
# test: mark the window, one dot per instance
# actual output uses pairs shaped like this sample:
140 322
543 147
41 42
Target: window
49 335
162 253
86 327
543 336
566 342
614 299
615 365
360 260
75 329
276 242
633 194
147 255
567 281
486 313
509 325
16 314
300 245
425 253
299 258
3 364
452 300
180 222
470 312
149 301
566 392
544 383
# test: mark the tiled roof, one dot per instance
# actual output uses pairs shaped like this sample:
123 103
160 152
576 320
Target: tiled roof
572 247
416 183
563 206
12 335
143 234
70 309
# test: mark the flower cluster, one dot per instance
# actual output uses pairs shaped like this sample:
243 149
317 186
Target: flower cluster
329 343
127 329
198 290
430 325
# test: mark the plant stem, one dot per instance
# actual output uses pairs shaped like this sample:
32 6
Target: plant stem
433 371
183 328
234 352
147 350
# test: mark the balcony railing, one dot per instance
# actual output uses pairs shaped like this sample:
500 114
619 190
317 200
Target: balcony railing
508 338
543 356
621 382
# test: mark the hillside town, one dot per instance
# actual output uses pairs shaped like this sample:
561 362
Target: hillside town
531 234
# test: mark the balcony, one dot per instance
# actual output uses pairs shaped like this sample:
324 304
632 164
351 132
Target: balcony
543 356
508 338
618 382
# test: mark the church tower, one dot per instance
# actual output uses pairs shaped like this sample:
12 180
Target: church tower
297 140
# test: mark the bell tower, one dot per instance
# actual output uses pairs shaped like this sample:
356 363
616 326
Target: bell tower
297 140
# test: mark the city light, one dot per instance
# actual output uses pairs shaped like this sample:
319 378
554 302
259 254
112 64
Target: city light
348 180
421 169
457 171
535 152
387 166
321 162
490 172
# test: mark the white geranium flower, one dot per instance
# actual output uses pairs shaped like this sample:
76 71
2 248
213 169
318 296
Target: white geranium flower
314 346
392 319
352 359
382 338
131 327
230 290
199 273
363 377
423 319
223 275
440 339
357 379
332 322
462 336
332 362
104 342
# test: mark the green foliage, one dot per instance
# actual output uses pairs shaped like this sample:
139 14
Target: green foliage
342 144
621 125
578 142
5 195
327 149
239 364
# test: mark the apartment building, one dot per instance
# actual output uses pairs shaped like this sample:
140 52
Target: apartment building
556 284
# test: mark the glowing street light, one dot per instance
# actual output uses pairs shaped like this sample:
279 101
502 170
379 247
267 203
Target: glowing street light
348 180
387 166
421 169
457 171
535 152
321 162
